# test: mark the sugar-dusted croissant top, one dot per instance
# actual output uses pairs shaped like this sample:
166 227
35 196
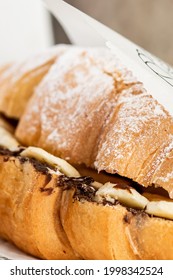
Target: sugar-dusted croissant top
90 109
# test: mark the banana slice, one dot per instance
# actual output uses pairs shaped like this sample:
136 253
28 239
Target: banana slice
44 156
97 185
162 209
159 206
129 197
7 140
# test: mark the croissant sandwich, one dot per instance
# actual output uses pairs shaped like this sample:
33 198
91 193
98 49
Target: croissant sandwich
90 112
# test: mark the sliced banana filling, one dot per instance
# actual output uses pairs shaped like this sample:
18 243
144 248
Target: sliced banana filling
7 141
159 206
43 156
152 204
128 196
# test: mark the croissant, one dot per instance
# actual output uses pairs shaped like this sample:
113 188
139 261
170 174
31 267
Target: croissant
91 111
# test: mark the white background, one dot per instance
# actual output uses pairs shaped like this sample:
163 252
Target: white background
25 28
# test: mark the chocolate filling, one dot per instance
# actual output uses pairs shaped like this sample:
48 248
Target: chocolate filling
41 167
6 152
84 190
82 185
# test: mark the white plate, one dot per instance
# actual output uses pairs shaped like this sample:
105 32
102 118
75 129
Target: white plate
9 251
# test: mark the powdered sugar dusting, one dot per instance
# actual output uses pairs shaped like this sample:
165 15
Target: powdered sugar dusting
18 69
91 109
128 129
169 148
164 154
160 159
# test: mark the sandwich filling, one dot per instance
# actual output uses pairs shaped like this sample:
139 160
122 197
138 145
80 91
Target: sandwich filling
109 193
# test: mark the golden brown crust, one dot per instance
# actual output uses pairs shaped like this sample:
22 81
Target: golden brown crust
83 89
18 81
29 210
114 232
91 110
75 75
101 234
151 237
137 140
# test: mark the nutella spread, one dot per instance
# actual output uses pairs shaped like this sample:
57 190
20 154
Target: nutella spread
82 185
